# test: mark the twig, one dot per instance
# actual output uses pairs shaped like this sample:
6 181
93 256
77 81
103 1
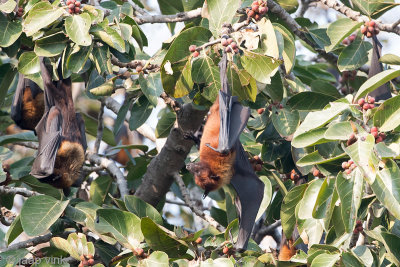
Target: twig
196 210
175 105
92 169
30 242
354 15
181 204
112 169
394 25
182 16
28 144
134 63
6 215
137 8
18 190
304 5
100 127
144 130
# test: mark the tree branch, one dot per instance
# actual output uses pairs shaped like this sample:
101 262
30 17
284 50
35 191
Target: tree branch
30 242
18 190
112 169
158 179
182 16
355 15
175 105
193 207
144 130
100 127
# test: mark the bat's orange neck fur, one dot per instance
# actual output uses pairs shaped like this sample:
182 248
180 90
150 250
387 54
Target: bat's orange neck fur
32 109
214 163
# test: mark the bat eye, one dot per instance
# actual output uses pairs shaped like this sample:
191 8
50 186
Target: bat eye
214 177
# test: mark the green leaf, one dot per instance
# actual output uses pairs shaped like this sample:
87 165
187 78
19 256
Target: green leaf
285 121
310 137
324 87
269 44
361 152
151 86
142 209
12 257
367 7
39 212
339 131
123 226
205 71
8 6
261 67
14 231
266 198
77 28
309 199
91 128
275 89
289 5
77 59
221 12
390 59
350 194
289 49
165 124
243 85
387 116
390 242
355 55
324 199
102 59
99 189
7 76
348 259
375 81
111 37
157 258
51 45
41 15
159 238
28 63
42 188
325 260
19 137
339 30
317 119
140 112
9 31
387 187
175 59
105 89
288 207
309 101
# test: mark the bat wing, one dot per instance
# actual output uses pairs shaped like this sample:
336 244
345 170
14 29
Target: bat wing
250 192
49 134
16 108
382 92
81 124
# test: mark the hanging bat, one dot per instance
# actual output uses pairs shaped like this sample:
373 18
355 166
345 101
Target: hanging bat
383 91
28 104
61 134
223 159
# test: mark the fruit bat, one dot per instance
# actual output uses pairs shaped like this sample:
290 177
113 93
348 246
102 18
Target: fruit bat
61 134
223 159
28 104
383 91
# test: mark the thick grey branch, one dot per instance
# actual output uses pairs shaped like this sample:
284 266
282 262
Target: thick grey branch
182 16
158 177
112 169
17 190
30 242
199 212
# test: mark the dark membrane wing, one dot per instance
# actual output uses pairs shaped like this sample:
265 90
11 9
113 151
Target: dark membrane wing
250 192
81 124
16 108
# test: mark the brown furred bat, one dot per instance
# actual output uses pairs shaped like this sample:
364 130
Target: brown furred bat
28 104
223 159
61 134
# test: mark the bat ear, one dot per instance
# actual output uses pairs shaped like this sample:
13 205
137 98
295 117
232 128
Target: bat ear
206 192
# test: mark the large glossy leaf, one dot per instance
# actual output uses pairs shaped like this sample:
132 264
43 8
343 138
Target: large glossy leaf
39 212
289 49
390 59
325 88
77 59
157 258
14 231
41 15
221 12
102 59
140 112
123 226
389 240
285 121
288 207
151 86
375 81
159 238
309 199
269 43
42 188
361 152
7 75
387 187
99 189
368 7
142 209
111 37
350 194
261 67
205 71
165 124
77 28
19 137
309 101
266 198
355 55
387 116
9 31
7 6
339 131
275 89
241 83
325 260
12 257
340 29
51 45
311 137
28 63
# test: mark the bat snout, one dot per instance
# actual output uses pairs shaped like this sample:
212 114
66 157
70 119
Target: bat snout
191 167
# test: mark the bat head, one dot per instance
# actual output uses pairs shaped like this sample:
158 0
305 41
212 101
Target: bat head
204 177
